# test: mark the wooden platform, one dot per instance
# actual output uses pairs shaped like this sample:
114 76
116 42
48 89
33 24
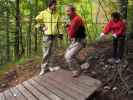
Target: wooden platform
59 85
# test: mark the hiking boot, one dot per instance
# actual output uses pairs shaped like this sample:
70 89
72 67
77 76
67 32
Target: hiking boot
44 69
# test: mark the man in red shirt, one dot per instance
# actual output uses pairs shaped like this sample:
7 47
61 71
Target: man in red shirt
76 34
117 26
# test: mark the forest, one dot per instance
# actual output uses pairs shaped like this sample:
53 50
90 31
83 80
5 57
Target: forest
19 38
21 42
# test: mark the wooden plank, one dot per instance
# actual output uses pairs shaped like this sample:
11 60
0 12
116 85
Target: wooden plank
81 79
2 97
34 91
54 89
64 88
18 94
84 79
71 82
44 91
83 84
70 89
9 95
26 93
91 83
59 85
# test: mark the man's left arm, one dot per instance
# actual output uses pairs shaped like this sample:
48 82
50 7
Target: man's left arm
122 28
75 25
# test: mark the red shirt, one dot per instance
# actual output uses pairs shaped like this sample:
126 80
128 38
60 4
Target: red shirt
75 23
116 27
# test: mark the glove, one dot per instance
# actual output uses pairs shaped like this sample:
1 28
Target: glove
114 35
102 35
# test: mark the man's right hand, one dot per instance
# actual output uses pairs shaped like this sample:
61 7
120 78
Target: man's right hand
45 28
67 21
102 35
41 28
114 35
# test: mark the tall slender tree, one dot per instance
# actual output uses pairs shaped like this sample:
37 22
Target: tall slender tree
17 29
7 35
35 35
29 30
131 18
123 8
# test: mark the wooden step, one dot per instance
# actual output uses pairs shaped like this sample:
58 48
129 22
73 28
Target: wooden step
59 85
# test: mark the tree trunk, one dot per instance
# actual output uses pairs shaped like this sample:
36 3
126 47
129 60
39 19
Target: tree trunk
35 35
123 8
17 29
7 37
29 31
131 20
21 42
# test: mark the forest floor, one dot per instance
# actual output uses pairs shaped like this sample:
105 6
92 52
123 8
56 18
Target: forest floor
117 79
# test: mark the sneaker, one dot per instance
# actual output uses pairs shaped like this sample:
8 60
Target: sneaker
43 71
76 73
117 61
57 68
111 60
114 61
51 69
54 68
85 66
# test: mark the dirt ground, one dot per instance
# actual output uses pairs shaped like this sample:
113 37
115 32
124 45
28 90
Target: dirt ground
117 79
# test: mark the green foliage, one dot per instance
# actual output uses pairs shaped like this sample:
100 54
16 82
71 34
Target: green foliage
94 12
130 17
5 68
